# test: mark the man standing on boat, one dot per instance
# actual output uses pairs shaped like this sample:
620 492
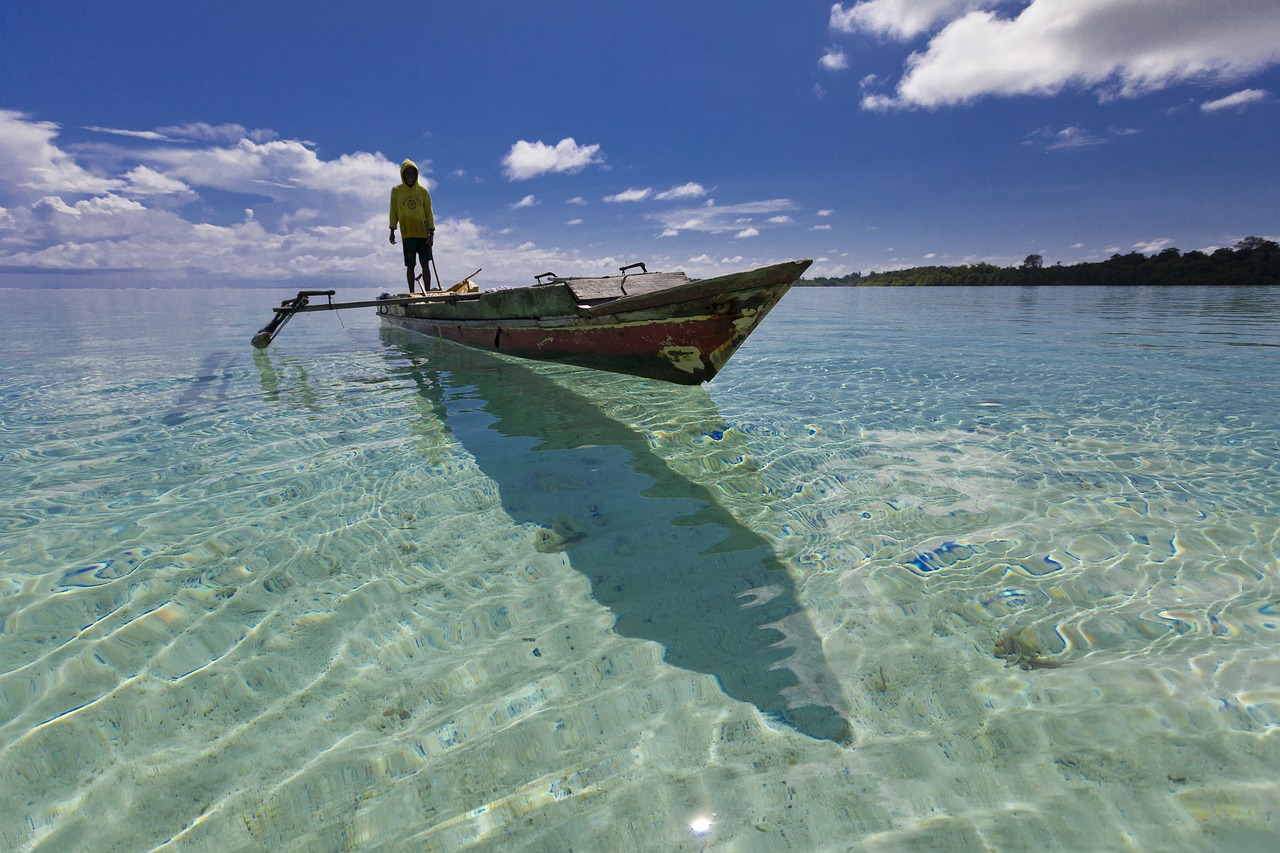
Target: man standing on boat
411 209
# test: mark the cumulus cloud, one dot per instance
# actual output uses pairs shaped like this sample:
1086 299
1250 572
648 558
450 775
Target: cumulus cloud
527 201
1238 99
135 210
529 159
144 181
632 194
281 170
746 232
31 165
1111 48
834 59
138 206
255 209
899 19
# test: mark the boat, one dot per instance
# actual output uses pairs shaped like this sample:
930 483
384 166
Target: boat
659 325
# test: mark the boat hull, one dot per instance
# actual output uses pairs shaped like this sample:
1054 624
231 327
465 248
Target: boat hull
683 333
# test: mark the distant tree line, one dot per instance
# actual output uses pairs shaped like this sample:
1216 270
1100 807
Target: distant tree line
1253 260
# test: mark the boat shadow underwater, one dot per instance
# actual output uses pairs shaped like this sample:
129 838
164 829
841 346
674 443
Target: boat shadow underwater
672 564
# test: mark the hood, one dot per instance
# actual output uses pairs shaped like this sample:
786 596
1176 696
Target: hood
406 164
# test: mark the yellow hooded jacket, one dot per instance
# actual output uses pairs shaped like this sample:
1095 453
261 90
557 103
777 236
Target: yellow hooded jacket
411 206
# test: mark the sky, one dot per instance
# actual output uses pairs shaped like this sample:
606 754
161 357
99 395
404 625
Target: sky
147 143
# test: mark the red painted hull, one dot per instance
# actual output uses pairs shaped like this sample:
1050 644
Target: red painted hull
682 333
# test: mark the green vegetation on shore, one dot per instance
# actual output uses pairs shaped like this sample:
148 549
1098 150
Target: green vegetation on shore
1253 261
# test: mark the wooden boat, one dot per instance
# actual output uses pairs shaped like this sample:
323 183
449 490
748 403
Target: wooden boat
658 325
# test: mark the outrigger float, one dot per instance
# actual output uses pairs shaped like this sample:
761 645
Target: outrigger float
652 324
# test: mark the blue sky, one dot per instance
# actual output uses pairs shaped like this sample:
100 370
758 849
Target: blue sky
256 142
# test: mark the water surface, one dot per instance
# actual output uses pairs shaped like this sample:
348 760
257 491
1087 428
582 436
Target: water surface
936 568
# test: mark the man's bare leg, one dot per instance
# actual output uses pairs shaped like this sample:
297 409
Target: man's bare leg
408 274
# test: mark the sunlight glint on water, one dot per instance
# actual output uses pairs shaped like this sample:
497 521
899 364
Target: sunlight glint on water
922 568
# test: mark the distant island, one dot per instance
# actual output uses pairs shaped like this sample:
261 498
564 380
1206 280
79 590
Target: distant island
1253 261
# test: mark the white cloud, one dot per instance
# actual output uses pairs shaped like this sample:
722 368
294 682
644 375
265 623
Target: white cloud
574 222
529 159
779 220
152 135
284 170
31 165
718 219
135 210
834 60
577 200
825 212
820 228
148 182
527 201
1067 139
265 210
746 232
1242 98
1148 247
689 190
629 195
194 132
900 19
1113 48
202 132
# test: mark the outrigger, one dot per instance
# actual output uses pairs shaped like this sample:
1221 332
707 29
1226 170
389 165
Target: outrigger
302 304
657 325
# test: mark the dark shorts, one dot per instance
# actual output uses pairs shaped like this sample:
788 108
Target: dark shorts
416 247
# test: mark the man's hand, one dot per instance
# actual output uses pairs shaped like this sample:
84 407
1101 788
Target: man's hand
431 238
393 236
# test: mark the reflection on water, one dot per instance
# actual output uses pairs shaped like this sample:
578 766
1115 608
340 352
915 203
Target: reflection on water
670 562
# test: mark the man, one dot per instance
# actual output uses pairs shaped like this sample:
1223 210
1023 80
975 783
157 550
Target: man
411 209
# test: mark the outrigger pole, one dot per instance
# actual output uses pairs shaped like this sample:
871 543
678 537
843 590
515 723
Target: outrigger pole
302 303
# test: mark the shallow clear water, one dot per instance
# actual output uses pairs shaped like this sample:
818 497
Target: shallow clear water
922 569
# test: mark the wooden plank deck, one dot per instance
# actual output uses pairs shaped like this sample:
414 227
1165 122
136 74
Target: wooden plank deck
616 286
